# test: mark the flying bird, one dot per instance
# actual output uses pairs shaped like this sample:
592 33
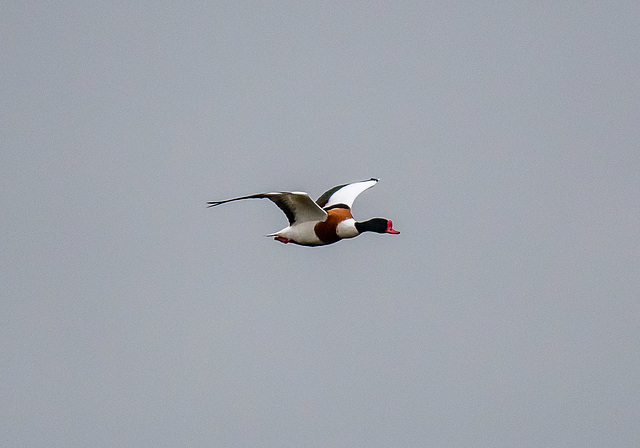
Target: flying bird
324 221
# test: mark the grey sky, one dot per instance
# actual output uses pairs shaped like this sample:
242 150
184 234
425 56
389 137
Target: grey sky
506 137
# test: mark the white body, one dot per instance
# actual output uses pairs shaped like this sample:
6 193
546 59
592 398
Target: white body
304 232
301 233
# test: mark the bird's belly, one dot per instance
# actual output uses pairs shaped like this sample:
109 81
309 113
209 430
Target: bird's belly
303 233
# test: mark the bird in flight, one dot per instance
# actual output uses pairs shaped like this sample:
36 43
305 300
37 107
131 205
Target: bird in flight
324 221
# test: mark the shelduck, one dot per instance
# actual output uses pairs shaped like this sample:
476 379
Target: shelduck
324 221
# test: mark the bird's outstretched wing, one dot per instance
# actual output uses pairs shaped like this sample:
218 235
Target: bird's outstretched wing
298 206
344 194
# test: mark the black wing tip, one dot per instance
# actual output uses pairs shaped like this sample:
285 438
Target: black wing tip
251 196
373 178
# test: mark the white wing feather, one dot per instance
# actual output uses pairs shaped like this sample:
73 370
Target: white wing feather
347 194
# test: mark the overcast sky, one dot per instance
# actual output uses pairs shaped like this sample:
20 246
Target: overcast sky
506 137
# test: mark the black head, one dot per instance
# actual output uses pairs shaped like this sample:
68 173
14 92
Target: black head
378 225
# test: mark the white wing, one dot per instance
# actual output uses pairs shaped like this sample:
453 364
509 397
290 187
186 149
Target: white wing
298 206
345 194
